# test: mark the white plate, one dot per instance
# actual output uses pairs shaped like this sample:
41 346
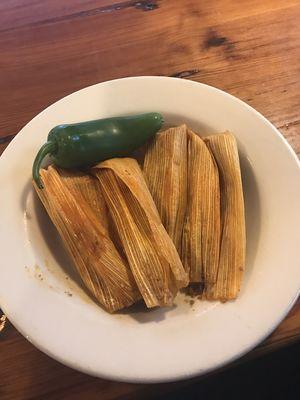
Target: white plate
41 296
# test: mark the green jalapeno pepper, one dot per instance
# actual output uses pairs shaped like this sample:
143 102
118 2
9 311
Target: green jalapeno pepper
87 143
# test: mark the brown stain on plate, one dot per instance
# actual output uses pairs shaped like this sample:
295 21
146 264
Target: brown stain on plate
37 273
71 287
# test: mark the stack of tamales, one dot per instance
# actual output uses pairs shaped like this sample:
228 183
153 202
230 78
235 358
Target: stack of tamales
77 209
136 234
196 185
95 215
151 254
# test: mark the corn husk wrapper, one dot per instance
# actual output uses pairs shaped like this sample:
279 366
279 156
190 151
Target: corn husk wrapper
201 233
105 274
233 240
165 170
151 254
89 187
80 183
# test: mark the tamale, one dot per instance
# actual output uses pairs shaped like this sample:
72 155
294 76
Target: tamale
103 271
165 170
89 187
201 232
80 183
151 254
233 238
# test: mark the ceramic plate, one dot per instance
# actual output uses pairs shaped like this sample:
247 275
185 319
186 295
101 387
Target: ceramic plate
44 299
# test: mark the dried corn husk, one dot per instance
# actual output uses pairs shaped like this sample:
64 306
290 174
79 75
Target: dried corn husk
80 183
233 240
201 233
89 187
165 170
151 254
104 272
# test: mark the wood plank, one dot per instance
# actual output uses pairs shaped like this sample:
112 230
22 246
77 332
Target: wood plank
63 59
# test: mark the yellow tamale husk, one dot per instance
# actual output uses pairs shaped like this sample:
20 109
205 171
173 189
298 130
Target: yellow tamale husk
89 187
233 238
151 254
103 271
201 232
165 171
80 183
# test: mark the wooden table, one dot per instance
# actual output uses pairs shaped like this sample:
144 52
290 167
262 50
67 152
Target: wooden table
51 48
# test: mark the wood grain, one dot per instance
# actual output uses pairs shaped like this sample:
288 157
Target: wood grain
49 49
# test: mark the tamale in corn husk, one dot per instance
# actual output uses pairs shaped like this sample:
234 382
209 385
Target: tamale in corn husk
103 271
165 170
201 232
89 187
151 254
80 183
233 238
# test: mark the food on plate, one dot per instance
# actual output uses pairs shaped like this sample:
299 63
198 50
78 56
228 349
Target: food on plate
104 272
146 234
87 186
165 169
87 143
151 254
201 231
233 239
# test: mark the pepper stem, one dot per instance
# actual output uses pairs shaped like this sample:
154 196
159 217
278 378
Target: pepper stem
47 148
